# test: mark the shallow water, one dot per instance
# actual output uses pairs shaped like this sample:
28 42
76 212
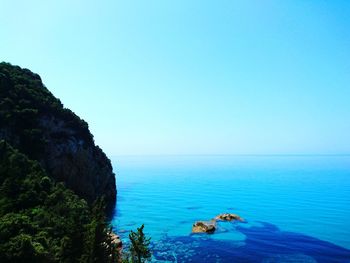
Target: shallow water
296 207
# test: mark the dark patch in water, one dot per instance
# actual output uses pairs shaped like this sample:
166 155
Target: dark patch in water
194 207
131 224
116 212
186 222
121 231
264 243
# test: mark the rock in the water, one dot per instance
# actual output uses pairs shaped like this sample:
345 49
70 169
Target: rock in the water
204 227
229 217
116 240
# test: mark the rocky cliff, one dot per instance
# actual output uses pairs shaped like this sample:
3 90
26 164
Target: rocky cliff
36 123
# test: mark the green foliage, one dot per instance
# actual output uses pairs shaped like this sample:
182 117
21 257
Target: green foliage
43 221
139 248
99 245
35 122
24 103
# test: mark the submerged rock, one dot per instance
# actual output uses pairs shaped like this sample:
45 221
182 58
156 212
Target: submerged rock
229 217
204 227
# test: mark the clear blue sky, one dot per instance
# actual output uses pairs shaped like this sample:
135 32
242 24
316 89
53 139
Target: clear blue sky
192 77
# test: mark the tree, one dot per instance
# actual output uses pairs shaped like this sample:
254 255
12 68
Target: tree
42 221
139 248
99 244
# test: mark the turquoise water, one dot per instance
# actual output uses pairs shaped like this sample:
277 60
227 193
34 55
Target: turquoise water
296 207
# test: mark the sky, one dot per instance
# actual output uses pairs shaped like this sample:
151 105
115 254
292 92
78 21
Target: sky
192 77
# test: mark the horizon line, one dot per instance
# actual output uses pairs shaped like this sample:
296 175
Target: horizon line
234 154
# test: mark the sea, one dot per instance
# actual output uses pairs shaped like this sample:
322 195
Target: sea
296 207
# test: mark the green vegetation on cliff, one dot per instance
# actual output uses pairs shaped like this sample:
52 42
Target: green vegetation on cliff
53 178
43 221
35 122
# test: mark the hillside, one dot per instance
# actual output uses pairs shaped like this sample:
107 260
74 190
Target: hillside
55 183
33 121
43 221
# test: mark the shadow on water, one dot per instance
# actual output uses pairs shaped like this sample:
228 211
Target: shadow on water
265 243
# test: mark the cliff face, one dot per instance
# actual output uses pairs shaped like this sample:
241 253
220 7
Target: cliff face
36 123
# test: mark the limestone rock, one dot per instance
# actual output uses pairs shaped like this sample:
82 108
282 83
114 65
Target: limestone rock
229 217
204 227
116 240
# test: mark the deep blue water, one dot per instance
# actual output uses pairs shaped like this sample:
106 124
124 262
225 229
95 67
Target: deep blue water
297 208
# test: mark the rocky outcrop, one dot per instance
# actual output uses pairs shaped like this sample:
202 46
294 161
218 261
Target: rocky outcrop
229 217
36 123
81 165
116 240
208 227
